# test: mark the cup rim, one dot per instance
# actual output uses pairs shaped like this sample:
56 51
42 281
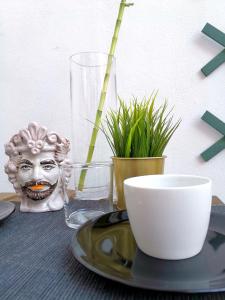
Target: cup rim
84 165
131 182
73 60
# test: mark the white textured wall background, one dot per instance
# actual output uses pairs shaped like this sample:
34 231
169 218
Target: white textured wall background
160 46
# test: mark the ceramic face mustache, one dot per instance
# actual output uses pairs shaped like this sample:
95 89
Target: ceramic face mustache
38 190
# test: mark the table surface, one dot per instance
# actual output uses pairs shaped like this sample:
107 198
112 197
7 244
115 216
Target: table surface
36 262
14 197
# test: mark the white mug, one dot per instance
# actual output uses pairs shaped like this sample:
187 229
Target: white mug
169 214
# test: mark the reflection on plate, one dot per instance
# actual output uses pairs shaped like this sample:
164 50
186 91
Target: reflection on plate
107 247
6 209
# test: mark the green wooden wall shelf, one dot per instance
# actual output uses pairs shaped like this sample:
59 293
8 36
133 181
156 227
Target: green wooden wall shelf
219 59
219 125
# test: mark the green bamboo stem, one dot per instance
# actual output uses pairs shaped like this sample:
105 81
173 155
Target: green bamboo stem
98 116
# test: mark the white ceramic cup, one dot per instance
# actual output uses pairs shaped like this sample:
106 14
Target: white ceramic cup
169 214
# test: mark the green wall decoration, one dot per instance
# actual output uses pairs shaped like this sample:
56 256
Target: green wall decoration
219 59
220 144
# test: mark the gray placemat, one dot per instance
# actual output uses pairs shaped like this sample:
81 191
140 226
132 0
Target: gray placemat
36 262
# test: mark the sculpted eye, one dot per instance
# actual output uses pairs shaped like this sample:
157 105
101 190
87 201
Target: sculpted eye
25 167
48 167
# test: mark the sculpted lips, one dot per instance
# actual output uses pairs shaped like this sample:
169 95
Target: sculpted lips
38 190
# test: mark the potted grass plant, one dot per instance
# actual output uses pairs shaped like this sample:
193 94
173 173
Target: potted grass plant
138 133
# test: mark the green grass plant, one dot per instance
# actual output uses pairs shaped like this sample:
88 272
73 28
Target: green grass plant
139 129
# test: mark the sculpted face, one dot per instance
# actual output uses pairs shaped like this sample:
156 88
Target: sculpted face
38 175
33 167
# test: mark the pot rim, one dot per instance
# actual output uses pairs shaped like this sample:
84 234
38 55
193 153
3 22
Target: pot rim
134 182
139 158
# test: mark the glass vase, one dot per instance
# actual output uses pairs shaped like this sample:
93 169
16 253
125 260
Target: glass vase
95 199
87 74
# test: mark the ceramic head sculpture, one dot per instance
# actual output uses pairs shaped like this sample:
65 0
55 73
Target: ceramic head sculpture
35 156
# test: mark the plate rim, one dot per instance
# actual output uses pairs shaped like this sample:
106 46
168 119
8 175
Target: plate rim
13 208
131 283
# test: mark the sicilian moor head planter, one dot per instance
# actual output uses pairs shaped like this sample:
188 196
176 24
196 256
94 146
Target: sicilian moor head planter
35 156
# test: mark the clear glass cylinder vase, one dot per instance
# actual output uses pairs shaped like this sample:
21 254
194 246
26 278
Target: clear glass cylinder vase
87 75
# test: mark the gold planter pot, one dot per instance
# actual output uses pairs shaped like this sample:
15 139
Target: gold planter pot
130 167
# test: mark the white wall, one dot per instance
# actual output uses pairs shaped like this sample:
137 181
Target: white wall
160 46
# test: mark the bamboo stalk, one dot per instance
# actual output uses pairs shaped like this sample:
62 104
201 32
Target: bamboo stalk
98 116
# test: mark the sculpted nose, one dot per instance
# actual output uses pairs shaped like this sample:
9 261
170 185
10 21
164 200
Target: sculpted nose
37 173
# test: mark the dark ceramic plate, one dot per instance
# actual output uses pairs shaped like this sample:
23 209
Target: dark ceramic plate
6 209
107 247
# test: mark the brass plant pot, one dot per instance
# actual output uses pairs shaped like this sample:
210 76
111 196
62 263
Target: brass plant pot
130 167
